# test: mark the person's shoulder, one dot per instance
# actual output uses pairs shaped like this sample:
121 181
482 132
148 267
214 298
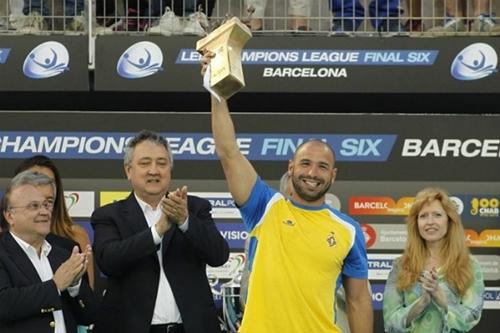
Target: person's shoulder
474 262
344 217
114 206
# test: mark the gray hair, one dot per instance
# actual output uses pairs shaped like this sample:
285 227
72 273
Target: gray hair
27 177
146 135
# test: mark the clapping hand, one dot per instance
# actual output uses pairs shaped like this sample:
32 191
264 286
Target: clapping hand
430 283
175 206
72 270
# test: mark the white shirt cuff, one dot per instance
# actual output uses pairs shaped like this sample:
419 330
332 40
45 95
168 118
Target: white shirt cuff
184 226
156 237
75 290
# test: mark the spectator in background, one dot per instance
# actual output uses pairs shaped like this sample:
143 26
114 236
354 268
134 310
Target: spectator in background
165 17
435 286
349 14
154 247
187 17
4 15
298 10
414 23
456 12
36 12
61 225
41 289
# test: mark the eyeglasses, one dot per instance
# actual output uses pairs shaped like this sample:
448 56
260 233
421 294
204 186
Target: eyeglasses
35 206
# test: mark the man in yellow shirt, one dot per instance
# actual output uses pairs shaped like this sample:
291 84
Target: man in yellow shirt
301 249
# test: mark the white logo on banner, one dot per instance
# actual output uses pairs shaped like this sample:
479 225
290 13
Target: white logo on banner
79 203
475 62
223 206
46 60
231 269
140 60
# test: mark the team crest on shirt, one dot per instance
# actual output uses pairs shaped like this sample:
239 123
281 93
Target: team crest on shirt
289 223
331 239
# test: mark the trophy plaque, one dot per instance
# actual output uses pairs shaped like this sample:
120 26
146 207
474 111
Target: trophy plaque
226 42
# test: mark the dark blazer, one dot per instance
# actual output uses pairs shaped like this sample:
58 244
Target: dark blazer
125 251
26 303
65 243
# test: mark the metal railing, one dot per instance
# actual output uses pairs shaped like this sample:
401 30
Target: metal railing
309 17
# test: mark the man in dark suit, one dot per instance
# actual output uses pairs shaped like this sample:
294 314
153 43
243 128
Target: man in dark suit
41 289
154 247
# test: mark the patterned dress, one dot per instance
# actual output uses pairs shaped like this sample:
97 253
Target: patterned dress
462 315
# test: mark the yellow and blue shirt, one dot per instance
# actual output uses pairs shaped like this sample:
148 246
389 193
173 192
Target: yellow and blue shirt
297 257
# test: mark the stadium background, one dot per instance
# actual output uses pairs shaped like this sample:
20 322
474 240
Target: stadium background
396 126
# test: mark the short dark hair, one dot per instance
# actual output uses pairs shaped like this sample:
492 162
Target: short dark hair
147 135
326 144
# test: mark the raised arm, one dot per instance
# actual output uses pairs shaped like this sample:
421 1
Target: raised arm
240 174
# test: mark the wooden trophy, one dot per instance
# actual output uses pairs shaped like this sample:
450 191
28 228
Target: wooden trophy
227 41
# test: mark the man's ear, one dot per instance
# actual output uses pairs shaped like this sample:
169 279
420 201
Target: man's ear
7 215
126 167
334 174
290 168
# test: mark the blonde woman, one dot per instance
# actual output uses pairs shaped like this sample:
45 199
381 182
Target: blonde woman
435 286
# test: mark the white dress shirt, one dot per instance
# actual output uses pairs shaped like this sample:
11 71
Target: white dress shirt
166 310
44 270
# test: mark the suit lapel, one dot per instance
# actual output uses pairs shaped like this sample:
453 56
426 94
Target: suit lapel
55 259
20 259
133 215
135 219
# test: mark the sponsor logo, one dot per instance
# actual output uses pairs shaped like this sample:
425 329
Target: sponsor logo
304 72
71 199
379 206
486 206
459 204
475 62
107 197
289 223
79 203
377 295
231 269
379 265
4 54
491 298
385 236
370 235
46 60
140 60
487 238
234 233
451 148
190 146
223 206
325 57
490 266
